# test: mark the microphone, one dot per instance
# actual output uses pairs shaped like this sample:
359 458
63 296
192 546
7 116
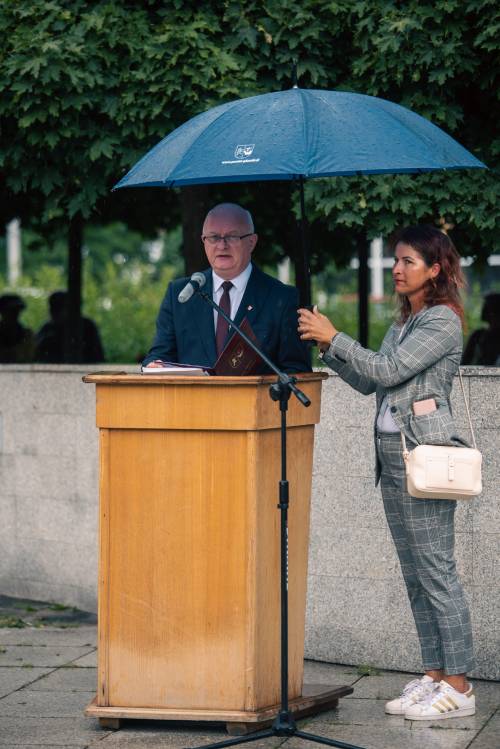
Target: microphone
197 281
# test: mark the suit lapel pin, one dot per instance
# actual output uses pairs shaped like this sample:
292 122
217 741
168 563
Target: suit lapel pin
249 308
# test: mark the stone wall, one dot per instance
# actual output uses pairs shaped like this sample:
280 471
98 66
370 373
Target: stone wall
357 606
48 484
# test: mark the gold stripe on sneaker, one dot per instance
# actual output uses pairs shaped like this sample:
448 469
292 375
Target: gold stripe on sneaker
441 708
451 701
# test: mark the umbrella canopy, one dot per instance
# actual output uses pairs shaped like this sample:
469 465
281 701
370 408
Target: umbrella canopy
294 134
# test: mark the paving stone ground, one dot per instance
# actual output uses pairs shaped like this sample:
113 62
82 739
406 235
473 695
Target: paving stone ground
48 676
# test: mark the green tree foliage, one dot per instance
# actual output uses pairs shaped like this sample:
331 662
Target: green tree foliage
124 305
440 59
87 88
123 301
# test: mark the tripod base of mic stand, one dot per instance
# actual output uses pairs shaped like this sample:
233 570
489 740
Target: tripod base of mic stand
284 721
315 698
283 725
291 731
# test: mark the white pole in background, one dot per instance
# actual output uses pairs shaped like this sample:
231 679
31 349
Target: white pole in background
14 258
284 270
377 269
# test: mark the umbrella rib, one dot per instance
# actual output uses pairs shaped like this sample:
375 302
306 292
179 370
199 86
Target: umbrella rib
304 129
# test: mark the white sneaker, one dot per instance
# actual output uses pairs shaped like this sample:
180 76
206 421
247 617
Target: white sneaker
413 692
444 702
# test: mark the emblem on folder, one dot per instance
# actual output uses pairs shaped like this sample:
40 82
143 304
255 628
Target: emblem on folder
237 357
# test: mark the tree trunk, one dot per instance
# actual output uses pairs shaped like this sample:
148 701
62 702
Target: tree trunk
363 291
194 207
73 331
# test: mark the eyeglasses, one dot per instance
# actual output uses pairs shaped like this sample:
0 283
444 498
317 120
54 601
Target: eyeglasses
230 239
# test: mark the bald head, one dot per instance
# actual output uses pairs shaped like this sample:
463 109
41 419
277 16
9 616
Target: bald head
231 212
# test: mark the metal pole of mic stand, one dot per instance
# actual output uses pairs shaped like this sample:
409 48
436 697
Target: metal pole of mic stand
284 724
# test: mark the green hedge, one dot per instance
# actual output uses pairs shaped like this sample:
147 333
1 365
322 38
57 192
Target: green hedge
124 303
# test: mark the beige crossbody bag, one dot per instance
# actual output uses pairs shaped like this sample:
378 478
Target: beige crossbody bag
442 472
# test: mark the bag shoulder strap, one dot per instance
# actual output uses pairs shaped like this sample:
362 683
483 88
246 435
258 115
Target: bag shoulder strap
467 409
406 454
403 440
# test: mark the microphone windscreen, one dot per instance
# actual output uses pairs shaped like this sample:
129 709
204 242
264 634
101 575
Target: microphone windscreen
189 289
199 278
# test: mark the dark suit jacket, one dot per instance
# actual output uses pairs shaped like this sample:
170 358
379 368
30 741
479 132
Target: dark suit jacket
185 333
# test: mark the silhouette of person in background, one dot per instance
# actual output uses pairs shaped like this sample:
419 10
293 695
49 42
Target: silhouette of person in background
50 337
17 343
483 346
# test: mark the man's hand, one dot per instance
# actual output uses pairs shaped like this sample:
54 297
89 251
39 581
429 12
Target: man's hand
314 326
155 363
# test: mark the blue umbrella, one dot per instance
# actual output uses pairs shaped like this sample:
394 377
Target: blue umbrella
298 133
295 135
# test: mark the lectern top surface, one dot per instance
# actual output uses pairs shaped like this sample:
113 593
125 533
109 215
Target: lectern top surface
122 378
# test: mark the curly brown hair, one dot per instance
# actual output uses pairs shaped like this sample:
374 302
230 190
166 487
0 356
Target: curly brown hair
434 246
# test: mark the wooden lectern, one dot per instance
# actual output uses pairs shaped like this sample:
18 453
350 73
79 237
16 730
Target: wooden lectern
189 609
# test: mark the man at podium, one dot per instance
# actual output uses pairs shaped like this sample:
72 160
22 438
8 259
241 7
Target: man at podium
194 333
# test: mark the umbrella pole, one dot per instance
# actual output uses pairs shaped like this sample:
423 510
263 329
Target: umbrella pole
363 291
304 234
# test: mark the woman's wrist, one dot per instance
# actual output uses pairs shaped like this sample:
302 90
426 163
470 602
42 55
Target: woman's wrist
325 345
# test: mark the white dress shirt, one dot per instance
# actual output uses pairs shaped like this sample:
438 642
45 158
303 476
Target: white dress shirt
235 292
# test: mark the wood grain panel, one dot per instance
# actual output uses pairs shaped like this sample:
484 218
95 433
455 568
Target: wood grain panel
103 570
177 569
189 608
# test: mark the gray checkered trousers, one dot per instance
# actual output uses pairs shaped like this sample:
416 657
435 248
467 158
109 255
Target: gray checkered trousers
416 363
423 532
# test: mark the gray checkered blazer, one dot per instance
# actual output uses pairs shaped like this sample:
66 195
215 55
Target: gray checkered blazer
419 365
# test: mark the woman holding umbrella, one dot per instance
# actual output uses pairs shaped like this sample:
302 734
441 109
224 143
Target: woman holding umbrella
412 376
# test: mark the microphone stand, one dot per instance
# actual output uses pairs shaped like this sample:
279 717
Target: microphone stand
284 724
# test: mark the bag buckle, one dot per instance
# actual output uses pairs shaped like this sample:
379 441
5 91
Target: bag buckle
451 468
